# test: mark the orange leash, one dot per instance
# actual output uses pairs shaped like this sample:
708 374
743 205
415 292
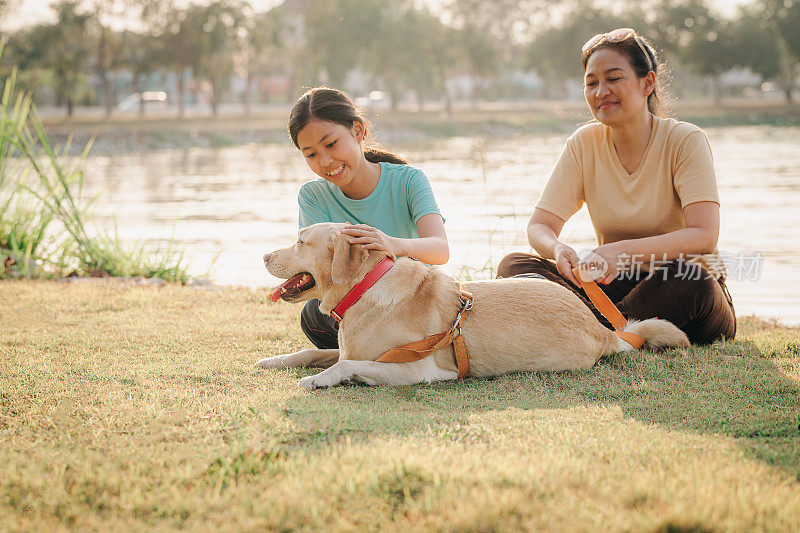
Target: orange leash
418 350
604 304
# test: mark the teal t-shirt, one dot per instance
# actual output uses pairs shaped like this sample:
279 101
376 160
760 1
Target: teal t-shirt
403 196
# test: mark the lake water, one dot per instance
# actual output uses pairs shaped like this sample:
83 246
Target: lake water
231 205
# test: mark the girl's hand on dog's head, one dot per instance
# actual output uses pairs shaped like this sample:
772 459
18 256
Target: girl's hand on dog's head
370 238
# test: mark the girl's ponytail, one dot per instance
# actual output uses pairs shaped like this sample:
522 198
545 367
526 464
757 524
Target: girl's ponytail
376 155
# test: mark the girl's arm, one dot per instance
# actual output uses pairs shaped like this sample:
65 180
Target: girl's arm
431 247
697 238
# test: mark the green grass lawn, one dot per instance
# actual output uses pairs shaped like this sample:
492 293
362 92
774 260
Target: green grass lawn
139 408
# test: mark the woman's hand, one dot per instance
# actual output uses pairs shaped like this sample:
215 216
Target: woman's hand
373 239
602 263
566 259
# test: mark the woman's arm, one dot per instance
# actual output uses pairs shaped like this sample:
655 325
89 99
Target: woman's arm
543 230
431 247
697 238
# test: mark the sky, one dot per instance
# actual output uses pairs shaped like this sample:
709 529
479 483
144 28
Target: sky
35 10
31 11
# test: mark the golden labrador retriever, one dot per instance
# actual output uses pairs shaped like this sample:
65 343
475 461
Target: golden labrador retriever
516 324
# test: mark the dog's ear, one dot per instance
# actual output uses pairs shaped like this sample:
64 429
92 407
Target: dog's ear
347 259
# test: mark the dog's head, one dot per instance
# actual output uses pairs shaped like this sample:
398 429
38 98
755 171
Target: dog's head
321 264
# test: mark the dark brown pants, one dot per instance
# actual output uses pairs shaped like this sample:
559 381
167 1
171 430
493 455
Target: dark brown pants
681 292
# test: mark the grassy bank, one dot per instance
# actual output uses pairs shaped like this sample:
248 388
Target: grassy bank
496 120
139 408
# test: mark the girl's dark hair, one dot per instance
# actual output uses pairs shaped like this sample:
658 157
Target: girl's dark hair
332 105
658 100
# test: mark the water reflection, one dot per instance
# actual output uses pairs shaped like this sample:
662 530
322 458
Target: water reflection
236 203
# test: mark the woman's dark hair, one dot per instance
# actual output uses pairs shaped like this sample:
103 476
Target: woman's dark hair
332 105
658 100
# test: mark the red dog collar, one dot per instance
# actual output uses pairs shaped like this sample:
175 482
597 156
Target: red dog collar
358 291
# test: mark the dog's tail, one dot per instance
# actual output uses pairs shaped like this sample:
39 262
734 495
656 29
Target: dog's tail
656 333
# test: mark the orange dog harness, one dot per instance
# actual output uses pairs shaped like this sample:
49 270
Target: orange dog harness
418 350
604 304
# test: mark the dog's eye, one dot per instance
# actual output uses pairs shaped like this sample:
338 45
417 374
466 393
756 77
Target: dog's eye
300 242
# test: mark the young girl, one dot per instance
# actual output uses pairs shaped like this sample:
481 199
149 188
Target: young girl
387 204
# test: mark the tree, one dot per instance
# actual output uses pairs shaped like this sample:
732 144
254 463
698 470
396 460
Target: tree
491 34
263 37
754 44
481 51
444 57
109 45
508 22
341 32
8 9
157 48
182 42
555 54
62 49
387 58
137 54
203 38
178 42
217 28
784 18
699 38
412 50
400 58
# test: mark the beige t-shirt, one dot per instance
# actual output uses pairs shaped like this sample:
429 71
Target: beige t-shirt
677 169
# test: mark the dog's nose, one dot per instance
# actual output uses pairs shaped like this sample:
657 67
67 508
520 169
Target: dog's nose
266 259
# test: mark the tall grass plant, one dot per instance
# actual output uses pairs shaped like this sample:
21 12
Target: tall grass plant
44 221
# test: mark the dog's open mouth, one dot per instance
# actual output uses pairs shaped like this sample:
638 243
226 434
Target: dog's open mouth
293 286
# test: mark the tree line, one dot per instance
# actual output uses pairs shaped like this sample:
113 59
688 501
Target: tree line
401 46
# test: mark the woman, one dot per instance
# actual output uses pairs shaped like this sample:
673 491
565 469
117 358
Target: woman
387 204
650 188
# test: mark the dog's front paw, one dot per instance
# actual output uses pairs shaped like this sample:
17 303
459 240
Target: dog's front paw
311 383
277 361
338 374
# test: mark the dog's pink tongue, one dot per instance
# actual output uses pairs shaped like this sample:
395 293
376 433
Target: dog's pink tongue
284 287
276 294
